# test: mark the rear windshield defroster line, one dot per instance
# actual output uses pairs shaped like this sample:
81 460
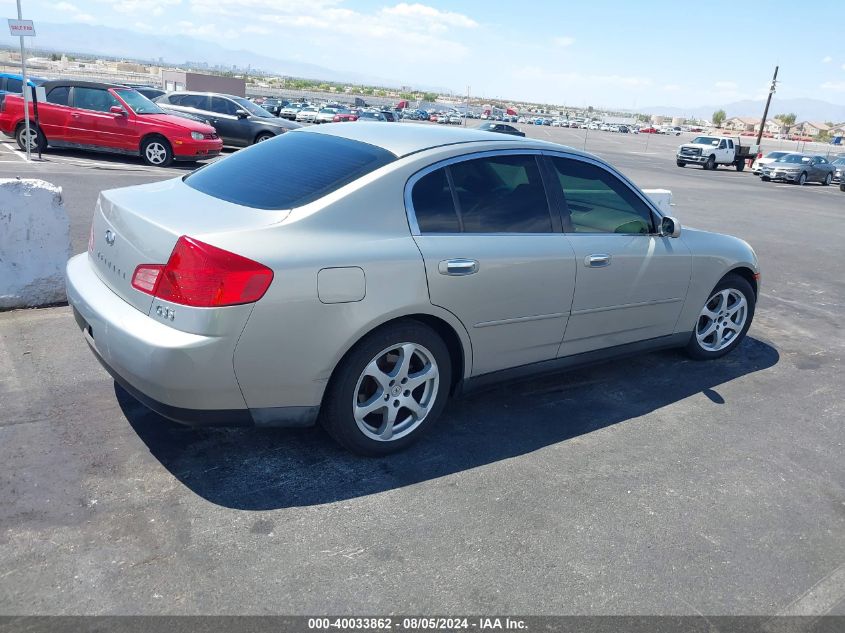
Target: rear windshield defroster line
288 171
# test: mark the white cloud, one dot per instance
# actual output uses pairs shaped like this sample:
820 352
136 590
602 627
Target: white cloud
430 15
257 29
65 7
671 88
149 7
574 78
563 42
725 85
827 59
84 18
833 86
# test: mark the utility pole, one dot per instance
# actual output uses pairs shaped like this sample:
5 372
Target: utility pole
25 91
768 102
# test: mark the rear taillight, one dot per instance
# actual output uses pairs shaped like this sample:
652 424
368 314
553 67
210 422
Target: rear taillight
204 276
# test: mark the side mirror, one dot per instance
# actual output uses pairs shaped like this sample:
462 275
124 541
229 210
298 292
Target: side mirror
117 110
241 114
670 227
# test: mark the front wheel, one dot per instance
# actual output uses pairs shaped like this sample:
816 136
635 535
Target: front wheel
765 178
711 163
264 136
157 152
802 179
827 180
680 163
388 390
724 320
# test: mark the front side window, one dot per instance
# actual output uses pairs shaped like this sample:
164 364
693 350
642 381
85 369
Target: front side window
14 85
223 106
599 202
94 99
60 95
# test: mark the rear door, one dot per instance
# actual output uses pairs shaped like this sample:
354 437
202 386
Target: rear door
494 255
631 282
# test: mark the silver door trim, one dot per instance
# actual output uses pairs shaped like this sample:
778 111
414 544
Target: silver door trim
536 317
623 306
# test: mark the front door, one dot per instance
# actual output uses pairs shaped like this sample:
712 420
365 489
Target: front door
631 282
494 256
92 122
226 122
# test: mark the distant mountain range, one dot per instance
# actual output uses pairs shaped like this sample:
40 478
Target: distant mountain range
123 43
805 109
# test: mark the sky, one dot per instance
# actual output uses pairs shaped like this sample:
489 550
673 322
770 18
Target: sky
616 54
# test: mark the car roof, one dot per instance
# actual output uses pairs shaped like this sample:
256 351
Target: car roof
409 138
82 84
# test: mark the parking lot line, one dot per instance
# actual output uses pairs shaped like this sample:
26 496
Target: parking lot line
14 152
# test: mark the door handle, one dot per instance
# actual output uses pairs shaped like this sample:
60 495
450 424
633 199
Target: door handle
458 267
597 260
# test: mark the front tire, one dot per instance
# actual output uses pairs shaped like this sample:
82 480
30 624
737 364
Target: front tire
827 180
724 319
802 179
264 136
765 178
156 151
710 164
388 390
680 163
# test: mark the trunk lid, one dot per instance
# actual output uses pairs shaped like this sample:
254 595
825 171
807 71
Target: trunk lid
140 225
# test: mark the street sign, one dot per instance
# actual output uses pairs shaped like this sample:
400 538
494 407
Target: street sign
22 28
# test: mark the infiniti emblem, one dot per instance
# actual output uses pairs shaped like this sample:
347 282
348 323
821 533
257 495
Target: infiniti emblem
110 237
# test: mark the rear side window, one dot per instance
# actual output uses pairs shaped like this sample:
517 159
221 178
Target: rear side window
434 206
501 194
14 85
200 102
94 99
288 171
60 95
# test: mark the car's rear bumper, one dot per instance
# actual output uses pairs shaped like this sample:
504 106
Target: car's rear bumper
189 378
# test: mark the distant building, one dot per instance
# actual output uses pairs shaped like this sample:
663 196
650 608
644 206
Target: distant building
810 128
180 80
741 124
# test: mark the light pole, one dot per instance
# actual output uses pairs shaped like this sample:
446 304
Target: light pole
25 91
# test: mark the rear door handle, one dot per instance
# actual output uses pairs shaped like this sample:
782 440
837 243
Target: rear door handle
458 267
597 260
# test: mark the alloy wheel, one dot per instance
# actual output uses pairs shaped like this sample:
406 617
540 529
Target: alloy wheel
395 392
721 320
33 139
156 153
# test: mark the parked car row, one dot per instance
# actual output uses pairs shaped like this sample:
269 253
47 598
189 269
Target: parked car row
107 118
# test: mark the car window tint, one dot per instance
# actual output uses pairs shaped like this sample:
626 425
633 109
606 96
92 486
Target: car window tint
59 95
433 204
93 99
598 202
223 106
200 102
14 85
288 171
501 194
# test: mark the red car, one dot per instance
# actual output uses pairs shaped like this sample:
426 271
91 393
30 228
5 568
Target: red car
108 118
648 130
344 115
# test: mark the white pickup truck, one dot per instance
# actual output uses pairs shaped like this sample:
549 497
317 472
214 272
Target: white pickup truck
712 151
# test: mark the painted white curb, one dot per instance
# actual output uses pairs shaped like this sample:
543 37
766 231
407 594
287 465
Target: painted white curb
34 243
662 198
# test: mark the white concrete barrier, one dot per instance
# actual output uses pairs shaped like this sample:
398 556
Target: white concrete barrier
34 243
662 198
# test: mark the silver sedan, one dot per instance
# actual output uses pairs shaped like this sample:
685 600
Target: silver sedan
359 275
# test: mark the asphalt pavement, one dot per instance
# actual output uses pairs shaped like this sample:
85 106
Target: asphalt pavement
652 485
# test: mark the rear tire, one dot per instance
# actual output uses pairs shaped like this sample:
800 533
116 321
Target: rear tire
156 151
827 180
740 166
724 319
710 164
36 137
367 408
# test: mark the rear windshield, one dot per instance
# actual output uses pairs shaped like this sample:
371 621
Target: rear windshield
288 171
